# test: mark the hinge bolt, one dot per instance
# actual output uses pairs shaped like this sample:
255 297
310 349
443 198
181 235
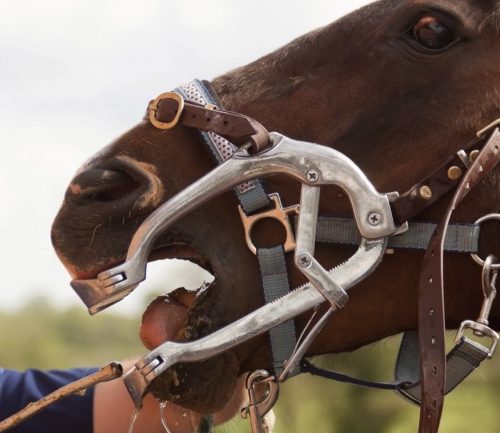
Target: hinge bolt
312 176
374 219
304 260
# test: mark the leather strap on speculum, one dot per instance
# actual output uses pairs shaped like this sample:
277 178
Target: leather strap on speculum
431 296
170 109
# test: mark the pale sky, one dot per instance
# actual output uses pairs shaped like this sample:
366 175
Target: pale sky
74 74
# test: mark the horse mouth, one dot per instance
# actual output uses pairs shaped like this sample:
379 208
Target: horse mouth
182 297
181 315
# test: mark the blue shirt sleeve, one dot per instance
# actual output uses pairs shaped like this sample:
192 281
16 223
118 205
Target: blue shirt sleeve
71 415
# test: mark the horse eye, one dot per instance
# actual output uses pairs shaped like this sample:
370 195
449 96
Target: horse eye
432 34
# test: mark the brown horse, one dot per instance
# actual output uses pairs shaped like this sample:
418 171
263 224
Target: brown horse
397 86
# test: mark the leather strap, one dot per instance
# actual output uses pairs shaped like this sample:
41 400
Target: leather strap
251 195
433 187
239 128
431 296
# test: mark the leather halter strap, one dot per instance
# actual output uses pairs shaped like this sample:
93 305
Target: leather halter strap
433 187
431 295
168 110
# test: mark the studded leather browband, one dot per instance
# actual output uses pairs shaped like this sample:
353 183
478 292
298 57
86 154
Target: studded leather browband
434 186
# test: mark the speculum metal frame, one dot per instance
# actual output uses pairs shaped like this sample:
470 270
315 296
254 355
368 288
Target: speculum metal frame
293 158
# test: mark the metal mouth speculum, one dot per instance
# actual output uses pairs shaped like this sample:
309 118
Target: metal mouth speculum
311 164
314 166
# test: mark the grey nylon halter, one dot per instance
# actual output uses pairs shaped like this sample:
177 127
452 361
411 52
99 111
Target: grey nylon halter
252 197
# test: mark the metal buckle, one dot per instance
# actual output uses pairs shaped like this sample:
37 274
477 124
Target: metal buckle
479 330
466 160
153 109
488 128
279 213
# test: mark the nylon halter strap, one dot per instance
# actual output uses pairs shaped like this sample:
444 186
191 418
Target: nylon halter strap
200 108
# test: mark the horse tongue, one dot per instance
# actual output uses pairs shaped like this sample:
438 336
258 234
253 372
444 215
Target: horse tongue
165 317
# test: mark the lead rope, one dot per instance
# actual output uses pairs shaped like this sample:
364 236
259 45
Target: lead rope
109 372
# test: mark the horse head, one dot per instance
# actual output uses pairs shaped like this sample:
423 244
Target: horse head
397 86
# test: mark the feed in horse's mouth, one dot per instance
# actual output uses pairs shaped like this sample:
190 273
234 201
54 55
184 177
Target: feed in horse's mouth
181 315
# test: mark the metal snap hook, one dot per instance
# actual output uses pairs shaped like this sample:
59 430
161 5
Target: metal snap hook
489 279
260 405
480 327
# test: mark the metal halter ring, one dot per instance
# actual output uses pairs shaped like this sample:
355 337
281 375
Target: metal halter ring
279 213
475 257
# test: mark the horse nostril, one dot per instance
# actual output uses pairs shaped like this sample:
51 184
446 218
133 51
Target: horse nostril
102 185
124 185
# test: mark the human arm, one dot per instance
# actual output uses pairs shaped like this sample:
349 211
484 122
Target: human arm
113 410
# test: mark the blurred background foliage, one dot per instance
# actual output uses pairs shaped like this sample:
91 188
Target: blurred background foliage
41 336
